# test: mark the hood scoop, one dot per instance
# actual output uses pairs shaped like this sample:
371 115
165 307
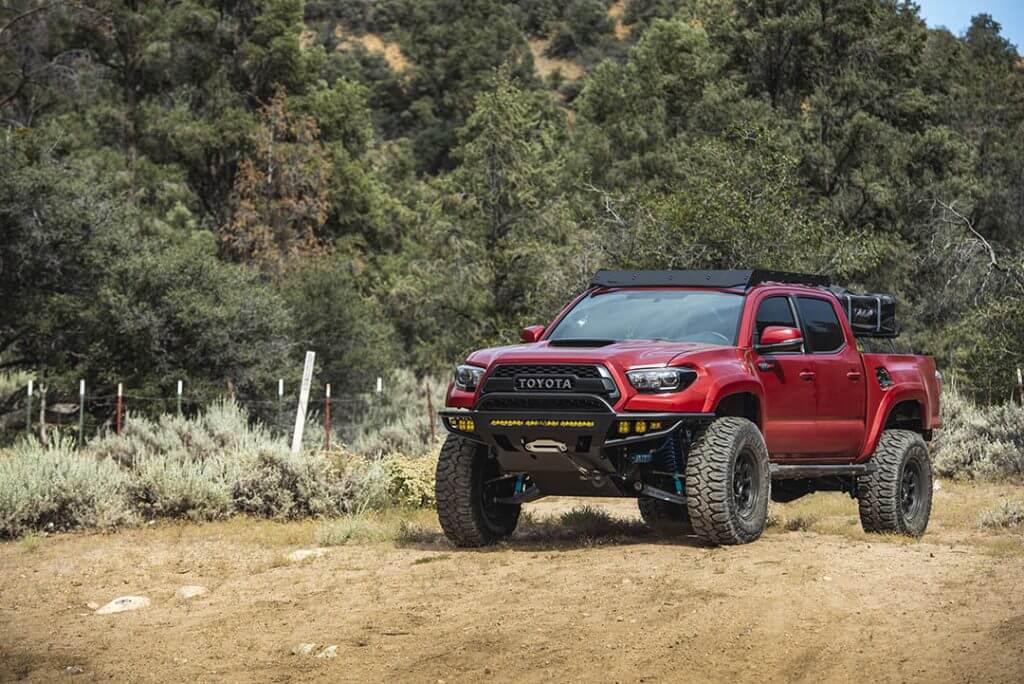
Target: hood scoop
580 343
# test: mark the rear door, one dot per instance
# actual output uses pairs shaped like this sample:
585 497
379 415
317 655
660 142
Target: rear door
787 378
838 369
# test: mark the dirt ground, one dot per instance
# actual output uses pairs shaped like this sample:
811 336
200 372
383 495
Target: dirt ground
814 600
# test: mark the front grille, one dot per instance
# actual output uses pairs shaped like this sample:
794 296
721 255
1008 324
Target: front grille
531 402
512 370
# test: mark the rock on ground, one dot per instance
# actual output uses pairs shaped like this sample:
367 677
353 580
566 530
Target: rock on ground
303 554
308 650
191 591
123 603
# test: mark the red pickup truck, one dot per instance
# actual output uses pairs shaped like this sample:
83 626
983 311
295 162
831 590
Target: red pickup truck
700 393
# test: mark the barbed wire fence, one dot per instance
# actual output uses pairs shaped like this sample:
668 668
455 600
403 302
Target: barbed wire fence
338 418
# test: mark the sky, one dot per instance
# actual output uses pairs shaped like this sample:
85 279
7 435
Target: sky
956 15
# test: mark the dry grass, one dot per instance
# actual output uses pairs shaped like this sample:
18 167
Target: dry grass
371 42
615 12
307 39
589 524
30 543
957 509
548 65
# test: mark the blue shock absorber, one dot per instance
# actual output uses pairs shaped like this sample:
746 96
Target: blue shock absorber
520 481
668 457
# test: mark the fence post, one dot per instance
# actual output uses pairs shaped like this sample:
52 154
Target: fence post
1020 386
300 414
280 401
380 384
42 413
28 409
327 417
179 397
119 409
430 411
81 413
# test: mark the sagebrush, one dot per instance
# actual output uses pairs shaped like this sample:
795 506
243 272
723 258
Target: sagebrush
1006 514
209 467
979 442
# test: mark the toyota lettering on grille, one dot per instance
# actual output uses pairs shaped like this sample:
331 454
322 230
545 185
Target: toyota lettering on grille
544 383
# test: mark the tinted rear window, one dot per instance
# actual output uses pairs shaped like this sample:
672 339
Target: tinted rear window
821 325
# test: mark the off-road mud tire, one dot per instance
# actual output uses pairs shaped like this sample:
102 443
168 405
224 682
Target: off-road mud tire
727 482
890 502
665 518
462 469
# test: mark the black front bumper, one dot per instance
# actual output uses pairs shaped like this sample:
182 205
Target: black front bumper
566 454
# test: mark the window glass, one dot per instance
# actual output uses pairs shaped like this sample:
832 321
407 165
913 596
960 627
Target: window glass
821 326
652 314
773 311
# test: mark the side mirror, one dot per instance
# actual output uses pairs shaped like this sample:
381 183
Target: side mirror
531 333
779 338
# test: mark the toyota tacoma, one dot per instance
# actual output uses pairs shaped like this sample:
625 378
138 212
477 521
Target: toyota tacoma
702 394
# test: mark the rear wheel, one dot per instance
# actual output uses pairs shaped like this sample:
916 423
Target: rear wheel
465 490
896 496
665 518
727 482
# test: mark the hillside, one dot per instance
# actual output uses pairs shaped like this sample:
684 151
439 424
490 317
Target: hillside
197 191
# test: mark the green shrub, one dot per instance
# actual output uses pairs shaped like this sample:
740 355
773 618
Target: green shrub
204 468
410 481
55 488
222 429
173 487
1006 514
397 422
978 442
278 484
390 482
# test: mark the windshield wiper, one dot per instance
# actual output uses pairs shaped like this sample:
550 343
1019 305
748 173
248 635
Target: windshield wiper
580 342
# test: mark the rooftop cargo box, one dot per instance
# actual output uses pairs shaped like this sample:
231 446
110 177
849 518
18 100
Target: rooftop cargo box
870 315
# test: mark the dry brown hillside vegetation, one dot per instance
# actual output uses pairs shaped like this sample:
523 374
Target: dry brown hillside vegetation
371 42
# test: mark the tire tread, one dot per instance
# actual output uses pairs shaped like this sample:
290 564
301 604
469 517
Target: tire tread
708 480
878 492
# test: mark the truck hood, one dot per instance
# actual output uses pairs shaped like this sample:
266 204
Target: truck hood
627 354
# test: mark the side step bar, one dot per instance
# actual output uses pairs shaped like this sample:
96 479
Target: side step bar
800 471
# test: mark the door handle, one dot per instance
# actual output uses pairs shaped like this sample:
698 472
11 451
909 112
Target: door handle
853 375
807 376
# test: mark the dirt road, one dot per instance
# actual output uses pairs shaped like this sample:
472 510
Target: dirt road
796 606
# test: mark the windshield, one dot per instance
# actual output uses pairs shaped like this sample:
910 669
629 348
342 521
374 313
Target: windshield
671 315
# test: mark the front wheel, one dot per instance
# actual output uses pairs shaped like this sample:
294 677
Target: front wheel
896 496
465 489
727 482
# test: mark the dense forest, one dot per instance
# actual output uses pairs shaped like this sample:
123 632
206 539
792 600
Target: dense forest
202 189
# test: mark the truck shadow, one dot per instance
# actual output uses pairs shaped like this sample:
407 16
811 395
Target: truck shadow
582 527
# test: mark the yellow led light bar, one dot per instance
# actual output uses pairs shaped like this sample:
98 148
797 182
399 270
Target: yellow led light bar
505 422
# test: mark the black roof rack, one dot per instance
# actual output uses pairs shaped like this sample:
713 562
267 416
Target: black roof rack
742 279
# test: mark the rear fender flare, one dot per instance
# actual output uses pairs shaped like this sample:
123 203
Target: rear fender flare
888 401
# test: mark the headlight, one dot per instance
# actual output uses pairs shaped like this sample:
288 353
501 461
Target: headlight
662 379
468 377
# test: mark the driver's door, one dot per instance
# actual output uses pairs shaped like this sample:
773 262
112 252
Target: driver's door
788 412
